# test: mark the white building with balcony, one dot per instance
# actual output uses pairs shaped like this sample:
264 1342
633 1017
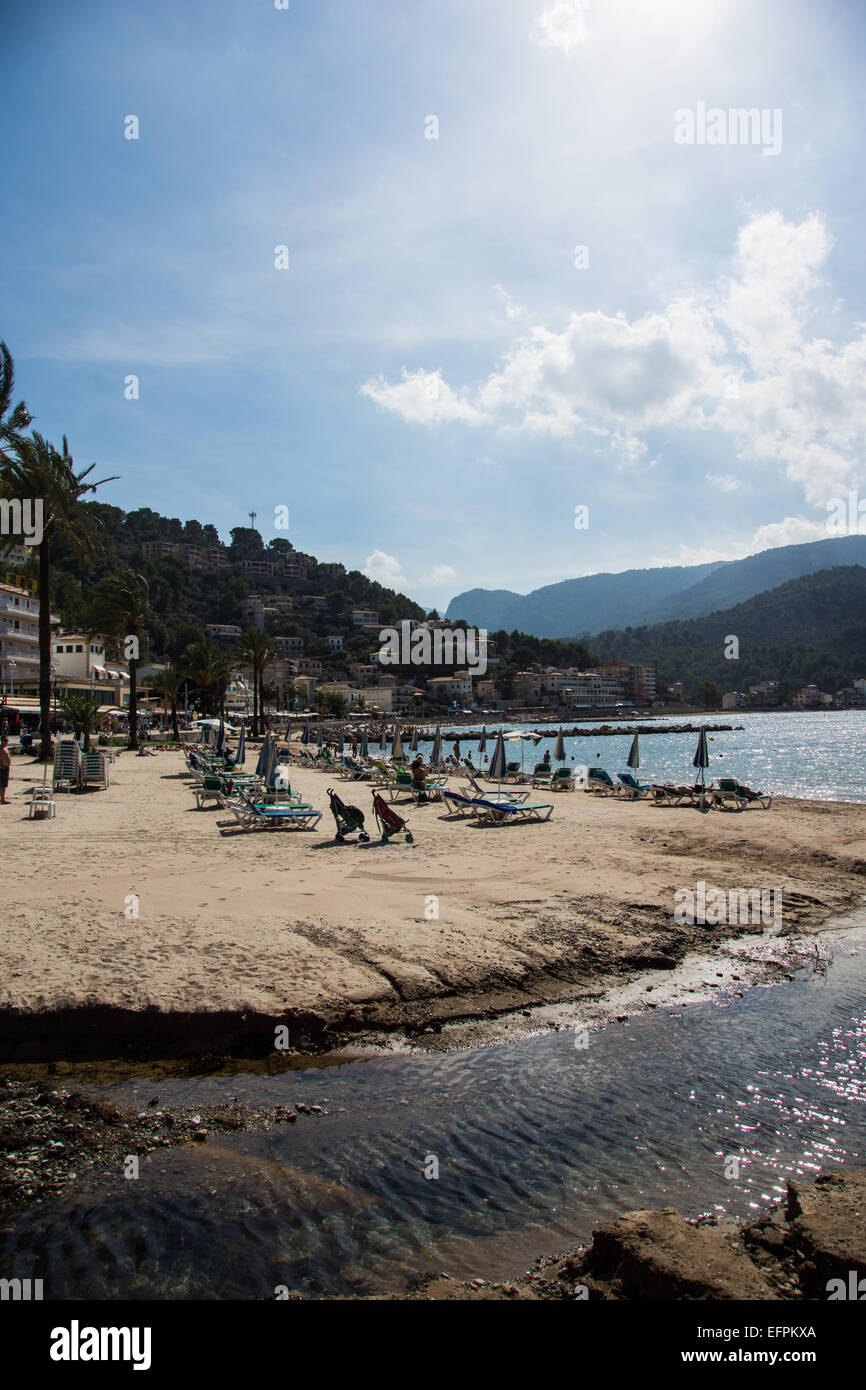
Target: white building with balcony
19 638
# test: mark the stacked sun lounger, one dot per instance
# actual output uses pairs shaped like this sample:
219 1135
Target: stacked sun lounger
67 765
94 769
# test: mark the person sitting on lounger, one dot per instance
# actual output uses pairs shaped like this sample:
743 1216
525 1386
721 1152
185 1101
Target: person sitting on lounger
419 777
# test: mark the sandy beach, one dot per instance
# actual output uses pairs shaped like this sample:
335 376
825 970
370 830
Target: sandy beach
238 931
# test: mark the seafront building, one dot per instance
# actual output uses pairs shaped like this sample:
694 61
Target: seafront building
19 638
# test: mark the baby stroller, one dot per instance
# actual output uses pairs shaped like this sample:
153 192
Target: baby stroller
388 821
348 818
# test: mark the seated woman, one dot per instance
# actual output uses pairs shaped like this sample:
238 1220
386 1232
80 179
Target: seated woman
419 776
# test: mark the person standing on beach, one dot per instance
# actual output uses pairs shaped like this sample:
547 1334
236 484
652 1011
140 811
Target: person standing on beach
5 769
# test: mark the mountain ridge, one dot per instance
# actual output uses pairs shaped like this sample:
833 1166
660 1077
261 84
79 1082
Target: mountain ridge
596 603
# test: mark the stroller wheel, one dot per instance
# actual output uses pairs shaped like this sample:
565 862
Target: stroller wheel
363 837
410 839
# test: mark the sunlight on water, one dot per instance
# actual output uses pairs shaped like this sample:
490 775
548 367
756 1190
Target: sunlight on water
536 1141
819 756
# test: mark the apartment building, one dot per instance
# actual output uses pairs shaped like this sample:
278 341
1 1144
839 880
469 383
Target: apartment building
289 646
195 556
223 632
592 689
455 687
638 682
19 637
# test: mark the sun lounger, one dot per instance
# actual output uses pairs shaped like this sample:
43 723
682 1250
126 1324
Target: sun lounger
209 789
630 788
478 790
514 773
730 790
671 794
542 775
562 780
494 812
495 808
67 765
599 780
252 817
402 784
94 769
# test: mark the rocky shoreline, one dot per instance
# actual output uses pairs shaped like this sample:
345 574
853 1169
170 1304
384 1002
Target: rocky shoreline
792 1252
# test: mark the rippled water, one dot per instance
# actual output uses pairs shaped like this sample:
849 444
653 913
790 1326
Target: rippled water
821 756
535 1142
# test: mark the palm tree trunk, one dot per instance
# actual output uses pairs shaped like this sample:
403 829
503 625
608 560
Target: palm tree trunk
45 648
133 703
174 729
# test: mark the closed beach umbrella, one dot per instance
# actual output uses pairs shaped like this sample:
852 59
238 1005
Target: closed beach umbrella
482 742
559 750
397 746
273 766
263 756
221 736
340 745
365 749
305 736
702 758
436 752
413 746
320 741
633 759
241 754
496 771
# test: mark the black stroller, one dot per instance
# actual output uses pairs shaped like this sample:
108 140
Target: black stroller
348 818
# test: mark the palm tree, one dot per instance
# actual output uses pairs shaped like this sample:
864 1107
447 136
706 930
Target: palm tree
223 669
14 419
121 606
31 467
254 649
200 663
82 712
167 683
270 695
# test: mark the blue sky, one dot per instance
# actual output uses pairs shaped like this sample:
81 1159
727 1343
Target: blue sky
439 378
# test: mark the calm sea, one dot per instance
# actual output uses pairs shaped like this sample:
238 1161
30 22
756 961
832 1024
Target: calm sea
821 755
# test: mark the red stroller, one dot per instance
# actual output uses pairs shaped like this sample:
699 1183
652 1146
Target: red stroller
388 821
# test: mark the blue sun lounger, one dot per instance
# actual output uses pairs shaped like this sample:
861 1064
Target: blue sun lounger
252 817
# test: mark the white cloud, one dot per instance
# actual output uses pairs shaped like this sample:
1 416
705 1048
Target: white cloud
794 530
442 574
562 24
725 482
737 358
698 555
385 569
421 398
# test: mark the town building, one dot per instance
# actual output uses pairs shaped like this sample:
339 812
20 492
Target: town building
19 637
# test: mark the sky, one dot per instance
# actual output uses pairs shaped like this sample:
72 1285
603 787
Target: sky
529 264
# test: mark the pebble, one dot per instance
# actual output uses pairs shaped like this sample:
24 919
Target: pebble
199 1135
